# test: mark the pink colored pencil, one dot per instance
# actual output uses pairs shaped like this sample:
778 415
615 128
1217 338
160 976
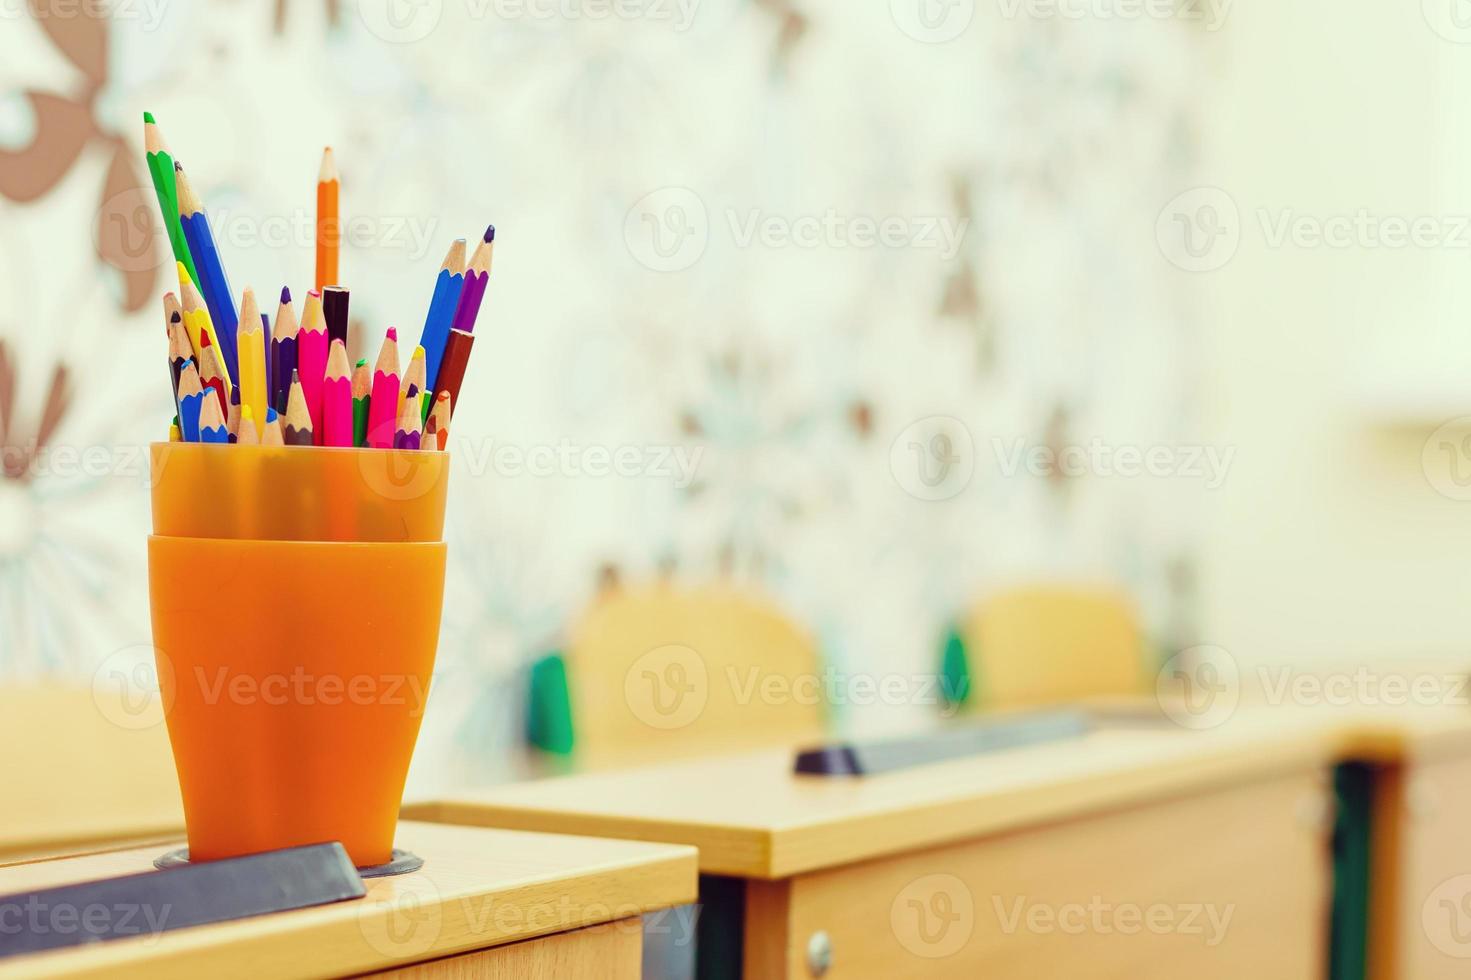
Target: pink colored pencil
383 404
311 359
337 398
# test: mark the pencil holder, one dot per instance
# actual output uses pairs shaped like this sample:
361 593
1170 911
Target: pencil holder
296 597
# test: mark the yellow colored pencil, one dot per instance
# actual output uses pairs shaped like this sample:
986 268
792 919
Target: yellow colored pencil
251 351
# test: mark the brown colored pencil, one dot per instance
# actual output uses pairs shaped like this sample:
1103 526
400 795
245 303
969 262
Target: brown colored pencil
452 369
298 428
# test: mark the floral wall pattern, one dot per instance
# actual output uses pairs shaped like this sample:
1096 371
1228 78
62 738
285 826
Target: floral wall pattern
787 253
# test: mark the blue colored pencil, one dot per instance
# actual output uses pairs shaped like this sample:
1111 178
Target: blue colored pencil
212 426
191 402
212 281
442 310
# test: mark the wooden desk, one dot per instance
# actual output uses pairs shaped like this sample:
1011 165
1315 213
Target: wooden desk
487 904
1030 862
1417 764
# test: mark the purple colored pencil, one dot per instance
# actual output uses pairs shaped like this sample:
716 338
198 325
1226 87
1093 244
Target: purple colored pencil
477 275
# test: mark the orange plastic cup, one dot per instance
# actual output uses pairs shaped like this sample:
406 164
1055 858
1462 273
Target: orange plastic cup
296 597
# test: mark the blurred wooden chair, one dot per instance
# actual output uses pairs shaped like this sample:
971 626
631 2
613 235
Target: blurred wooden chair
1043 644
81 769
655 672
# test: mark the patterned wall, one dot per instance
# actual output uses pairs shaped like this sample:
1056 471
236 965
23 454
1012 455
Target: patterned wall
829 257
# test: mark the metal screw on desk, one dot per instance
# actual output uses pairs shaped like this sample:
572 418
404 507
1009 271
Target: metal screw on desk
819 953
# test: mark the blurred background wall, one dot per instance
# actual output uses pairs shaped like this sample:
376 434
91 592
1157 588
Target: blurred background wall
887 305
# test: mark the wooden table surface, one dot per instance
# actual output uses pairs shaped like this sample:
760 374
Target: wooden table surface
478 889
751 817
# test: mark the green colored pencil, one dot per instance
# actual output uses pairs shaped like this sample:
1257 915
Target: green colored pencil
362 386
161 169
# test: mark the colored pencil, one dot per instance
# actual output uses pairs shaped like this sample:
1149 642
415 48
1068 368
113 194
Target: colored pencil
383 406
191 401
477 274
212 423
252 353
232 415
170 307
283 351
178 352
334 311
272 436
212 281
311 356
298 428
161 169
414 377
337 398
362 384
456 358
211 374
442 305
197 322
248 435
439 423
265 332
409 428
329 228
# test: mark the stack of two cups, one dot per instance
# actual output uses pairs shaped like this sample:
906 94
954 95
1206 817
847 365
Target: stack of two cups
296 598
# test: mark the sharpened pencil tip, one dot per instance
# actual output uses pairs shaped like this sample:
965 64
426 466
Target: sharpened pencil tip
490 233
175 318
393 334
285 294
148 118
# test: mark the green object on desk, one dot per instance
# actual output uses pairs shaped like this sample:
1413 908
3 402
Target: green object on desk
955 678
1353 831
549 707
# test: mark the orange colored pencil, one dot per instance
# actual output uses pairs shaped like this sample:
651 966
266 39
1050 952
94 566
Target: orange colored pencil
329 227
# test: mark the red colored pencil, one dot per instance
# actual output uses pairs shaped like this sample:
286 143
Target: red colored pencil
383 405
311 358
337 398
